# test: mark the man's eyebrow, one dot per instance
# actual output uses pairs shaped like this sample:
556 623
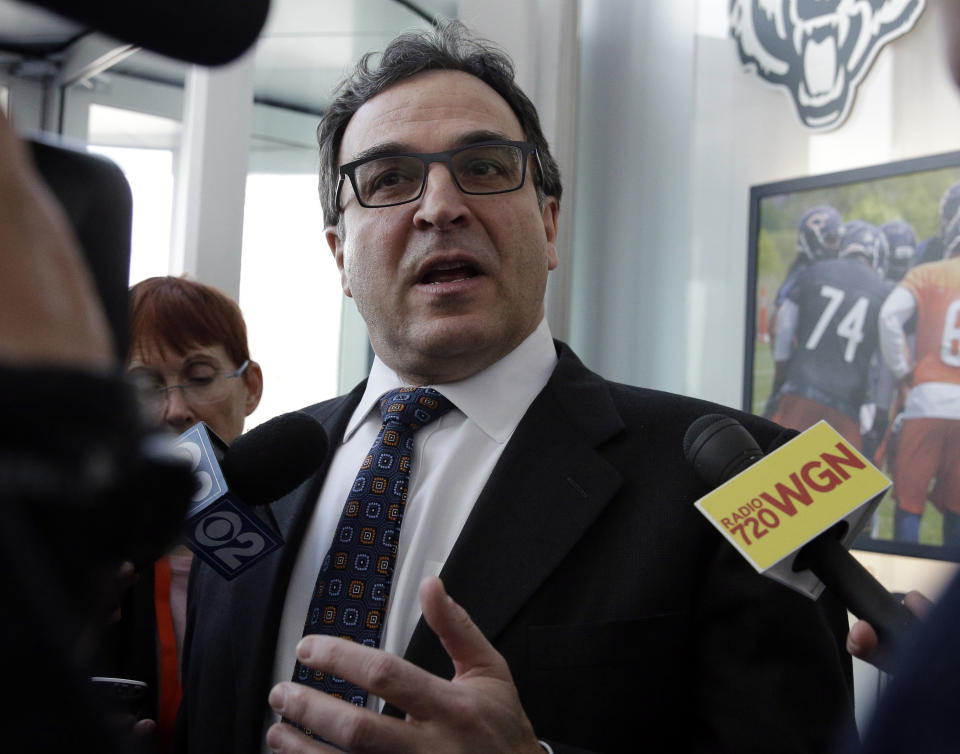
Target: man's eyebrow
396 147
379 150
476 137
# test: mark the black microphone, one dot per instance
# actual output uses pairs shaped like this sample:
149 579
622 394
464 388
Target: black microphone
274 458
719 447
259 467
205 32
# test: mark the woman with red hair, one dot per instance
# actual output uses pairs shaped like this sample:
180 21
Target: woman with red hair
190 362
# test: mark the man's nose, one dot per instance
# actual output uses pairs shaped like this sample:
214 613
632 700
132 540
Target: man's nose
443 205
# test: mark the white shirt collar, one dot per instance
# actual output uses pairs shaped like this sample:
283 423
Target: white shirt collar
495 399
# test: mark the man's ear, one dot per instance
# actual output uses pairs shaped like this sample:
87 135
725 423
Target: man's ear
336 247
551 214
253 379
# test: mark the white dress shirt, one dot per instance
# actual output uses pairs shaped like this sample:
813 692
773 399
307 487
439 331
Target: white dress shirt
453 458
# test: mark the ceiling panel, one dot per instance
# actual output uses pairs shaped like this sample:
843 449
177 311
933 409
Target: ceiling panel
306 47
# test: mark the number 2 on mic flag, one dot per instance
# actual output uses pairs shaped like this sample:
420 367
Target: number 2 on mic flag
777 505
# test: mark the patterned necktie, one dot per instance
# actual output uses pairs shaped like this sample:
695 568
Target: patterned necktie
353 586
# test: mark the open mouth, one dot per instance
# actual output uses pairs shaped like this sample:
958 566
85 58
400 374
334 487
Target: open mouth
449 272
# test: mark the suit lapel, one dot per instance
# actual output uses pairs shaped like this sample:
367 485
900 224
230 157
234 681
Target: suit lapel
291 514
547 489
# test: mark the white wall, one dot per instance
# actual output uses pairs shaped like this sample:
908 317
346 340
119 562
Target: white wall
631 219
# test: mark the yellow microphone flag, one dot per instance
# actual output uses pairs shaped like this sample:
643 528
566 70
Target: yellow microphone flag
774 507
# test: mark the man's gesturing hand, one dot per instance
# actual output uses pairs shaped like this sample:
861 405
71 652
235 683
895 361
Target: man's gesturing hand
479 710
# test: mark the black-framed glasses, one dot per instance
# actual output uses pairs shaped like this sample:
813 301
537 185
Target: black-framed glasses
205 385
490 167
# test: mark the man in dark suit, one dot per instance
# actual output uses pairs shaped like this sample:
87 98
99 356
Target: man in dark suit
595 609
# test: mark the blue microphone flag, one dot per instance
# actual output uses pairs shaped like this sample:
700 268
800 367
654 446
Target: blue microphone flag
219 527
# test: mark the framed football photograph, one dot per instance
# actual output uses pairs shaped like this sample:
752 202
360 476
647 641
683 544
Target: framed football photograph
853 316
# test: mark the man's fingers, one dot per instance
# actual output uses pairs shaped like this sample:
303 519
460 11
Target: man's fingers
392 678
862 641
917 603
344 725
287 739
466 645
144 729
426 698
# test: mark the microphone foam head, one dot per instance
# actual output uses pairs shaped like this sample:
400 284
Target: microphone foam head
719 447
272 459
696 429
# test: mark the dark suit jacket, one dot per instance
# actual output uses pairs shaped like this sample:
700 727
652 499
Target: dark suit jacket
627 622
